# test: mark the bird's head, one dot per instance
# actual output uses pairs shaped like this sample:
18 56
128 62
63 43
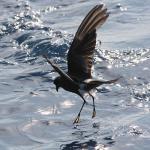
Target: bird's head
57 82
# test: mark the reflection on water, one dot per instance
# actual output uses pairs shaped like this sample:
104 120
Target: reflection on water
76 145
34 116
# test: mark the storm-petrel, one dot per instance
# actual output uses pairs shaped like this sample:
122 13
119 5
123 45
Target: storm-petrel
79 79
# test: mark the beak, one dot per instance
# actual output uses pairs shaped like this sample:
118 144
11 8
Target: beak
57 87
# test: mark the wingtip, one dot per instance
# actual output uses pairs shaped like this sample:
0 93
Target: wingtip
100 5
108 13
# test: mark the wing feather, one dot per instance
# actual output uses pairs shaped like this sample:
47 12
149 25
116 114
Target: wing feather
59 70
80 55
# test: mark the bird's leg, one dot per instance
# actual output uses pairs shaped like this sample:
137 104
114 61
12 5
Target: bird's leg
94 111
78 116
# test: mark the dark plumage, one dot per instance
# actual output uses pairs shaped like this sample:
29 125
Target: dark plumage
80 58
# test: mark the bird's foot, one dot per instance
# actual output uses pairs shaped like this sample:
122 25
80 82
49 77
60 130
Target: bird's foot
94 114
77 120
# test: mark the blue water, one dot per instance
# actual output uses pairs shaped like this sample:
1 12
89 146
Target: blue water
33 116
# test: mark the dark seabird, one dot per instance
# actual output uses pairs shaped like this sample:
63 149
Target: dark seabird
79 79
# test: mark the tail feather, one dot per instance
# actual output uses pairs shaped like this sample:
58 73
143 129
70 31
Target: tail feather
92 83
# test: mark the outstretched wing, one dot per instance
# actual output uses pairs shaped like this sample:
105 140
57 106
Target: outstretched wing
80 55
59 71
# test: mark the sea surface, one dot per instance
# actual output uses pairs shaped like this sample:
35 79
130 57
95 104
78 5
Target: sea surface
33 116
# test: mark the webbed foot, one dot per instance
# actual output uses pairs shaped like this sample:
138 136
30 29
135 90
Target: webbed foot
94 113
77 120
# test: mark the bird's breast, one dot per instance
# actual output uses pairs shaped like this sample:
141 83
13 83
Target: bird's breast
82 86
83 92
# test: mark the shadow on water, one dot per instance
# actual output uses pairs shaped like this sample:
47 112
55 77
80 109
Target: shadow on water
89 139
90 144
77 145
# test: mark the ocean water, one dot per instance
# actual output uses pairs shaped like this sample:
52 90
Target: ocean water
33 116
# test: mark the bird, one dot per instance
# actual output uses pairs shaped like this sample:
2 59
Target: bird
78 79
